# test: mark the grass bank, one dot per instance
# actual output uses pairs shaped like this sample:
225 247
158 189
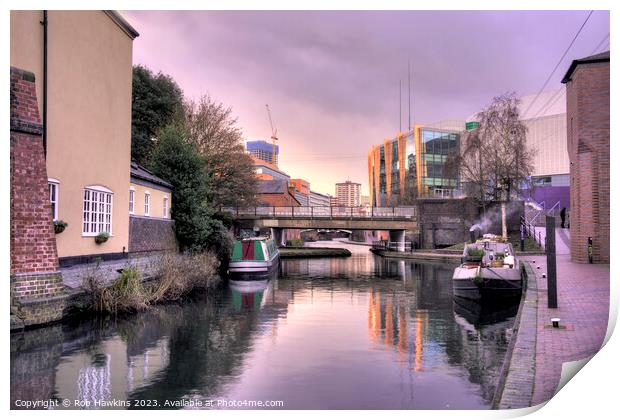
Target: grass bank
177 276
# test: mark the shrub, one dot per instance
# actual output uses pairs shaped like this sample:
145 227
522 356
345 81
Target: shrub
295 242
475 252
102 237
180 274
60 226
127 293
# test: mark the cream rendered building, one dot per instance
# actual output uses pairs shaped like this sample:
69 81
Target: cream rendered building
87 119
149 196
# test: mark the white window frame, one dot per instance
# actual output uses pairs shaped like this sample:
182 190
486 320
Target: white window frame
166 206
54 183
147 203
97 204
132 200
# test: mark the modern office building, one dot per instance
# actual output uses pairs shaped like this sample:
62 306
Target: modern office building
545 120
414 164
587 105
319 200
263 150
348 194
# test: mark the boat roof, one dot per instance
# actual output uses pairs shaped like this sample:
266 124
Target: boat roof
255 238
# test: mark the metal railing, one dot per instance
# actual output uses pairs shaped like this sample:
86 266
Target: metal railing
529 229
324 212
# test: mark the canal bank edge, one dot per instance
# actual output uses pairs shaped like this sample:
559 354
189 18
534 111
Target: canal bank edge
71 303
515 388
423 256
313 252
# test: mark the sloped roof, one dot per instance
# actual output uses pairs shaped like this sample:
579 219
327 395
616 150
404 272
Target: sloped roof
144 174
272 186
596 58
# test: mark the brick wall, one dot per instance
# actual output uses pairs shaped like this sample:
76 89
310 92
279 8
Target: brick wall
446 221
588 147
147 234
36 282
33 245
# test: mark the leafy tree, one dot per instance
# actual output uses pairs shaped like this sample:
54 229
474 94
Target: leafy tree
157 100
178 162
213 131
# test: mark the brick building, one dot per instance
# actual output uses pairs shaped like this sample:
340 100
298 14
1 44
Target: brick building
276 192
587 112
37 291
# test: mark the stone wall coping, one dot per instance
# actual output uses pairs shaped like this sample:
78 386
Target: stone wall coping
15 276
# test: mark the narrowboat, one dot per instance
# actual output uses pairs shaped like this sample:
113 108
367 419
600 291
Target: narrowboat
489 270
255 258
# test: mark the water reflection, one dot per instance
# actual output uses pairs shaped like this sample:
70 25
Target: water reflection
360 332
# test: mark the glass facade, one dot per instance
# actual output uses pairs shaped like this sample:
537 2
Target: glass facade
419 164
436 147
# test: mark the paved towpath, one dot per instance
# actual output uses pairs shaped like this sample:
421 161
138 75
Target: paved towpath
562 239
583 307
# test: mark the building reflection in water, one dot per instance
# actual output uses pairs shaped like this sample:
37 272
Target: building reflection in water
388 325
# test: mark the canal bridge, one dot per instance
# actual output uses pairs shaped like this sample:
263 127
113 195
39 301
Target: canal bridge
396 220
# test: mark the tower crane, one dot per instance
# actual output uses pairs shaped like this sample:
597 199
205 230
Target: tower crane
274 137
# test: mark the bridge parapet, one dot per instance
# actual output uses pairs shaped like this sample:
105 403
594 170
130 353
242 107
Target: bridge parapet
408 213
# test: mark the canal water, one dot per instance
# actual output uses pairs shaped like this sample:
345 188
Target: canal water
354 333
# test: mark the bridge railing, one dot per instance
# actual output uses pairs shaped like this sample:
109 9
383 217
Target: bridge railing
328 212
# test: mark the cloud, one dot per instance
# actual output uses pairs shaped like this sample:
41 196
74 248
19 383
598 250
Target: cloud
331 78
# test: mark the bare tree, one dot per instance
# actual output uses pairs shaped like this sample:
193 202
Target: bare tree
212 129
495 160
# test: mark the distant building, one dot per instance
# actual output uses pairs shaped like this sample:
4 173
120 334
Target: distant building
333 201
302 190
587 106
263 151
413 165
546 135
348 194
319 200
266 171
365 200
276 192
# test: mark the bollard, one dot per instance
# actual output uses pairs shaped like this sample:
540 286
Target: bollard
552 291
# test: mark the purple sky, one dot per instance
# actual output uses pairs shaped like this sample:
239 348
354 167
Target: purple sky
331 78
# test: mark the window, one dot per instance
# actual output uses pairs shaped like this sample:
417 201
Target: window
165 207
147 203
97 211
132 197
53 188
